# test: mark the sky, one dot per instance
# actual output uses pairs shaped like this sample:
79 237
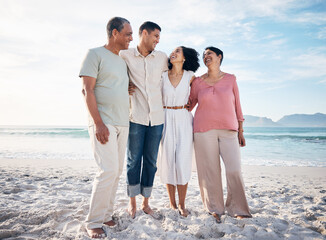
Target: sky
276 49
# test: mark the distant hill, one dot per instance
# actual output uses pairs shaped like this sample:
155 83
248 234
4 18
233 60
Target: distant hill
303 120
253 121
294 120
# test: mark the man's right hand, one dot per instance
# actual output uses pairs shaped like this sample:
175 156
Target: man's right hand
102 133
131 88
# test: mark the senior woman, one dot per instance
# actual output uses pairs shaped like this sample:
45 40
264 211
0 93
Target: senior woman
218 132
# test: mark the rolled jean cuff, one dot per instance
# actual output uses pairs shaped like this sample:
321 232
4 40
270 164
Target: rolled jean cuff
146 191
133 190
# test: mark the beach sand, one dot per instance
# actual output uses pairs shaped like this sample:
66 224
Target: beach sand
49 199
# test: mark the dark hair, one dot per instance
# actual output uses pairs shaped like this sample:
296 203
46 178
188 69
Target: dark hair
115 23
217 51
149 26
191 59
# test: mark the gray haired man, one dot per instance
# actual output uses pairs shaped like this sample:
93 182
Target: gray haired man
105 88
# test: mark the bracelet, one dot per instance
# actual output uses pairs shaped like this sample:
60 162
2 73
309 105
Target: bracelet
240 130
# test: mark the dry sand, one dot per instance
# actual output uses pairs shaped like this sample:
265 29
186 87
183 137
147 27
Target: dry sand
43 199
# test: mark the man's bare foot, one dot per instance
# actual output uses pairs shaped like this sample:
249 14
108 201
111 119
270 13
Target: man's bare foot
217 217
183 211
150 212
132 212
96 233
110 223
147 210
132 207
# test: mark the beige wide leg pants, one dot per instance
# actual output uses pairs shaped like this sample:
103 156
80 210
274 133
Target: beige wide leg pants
109 159
209 146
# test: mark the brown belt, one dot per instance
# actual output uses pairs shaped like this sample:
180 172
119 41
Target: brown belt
175 107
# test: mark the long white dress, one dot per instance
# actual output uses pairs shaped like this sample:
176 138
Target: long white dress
175 161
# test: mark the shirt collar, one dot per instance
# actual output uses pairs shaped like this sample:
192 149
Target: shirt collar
137 53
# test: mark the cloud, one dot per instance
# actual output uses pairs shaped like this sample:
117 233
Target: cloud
278 42
272 36
244 74
44 42
321 34
310 65
268 89
196 40
316 18
322 81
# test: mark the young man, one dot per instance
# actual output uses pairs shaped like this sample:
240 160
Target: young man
105 87
145 67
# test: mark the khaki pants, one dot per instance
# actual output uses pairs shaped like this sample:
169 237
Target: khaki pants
209 146
109 159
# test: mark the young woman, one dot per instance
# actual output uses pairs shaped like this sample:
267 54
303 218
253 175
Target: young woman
177 140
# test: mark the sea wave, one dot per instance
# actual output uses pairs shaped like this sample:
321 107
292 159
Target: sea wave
295 134
314 138
46 132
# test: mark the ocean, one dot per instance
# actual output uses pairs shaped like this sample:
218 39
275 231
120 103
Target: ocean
269 146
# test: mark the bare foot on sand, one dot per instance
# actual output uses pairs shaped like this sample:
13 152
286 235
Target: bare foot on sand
217 217
110 223
96 233
147 210
183 211
150 212
174 207
132 212
132 207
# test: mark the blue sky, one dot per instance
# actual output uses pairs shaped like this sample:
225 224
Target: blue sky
277 50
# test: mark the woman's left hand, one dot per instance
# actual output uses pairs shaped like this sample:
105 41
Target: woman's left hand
242 140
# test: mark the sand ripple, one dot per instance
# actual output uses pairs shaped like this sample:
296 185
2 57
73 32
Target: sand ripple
51 203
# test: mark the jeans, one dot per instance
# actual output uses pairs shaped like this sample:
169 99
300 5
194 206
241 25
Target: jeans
142 149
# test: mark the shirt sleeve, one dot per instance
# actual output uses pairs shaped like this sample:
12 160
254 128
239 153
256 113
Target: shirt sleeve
165 65
89 66
122 54
193 98
238 109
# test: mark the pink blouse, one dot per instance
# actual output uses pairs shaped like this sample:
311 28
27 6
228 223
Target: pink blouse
218 106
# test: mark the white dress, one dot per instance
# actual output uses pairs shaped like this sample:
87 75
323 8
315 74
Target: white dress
175 161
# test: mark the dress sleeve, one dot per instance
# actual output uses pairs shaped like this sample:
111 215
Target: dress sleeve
162 81
193 98
238 109
190 75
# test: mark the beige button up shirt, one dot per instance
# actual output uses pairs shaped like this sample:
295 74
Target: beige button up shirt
146 105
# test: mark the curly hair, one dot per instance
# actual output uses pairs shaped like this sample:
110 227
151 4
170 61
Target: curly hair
191 59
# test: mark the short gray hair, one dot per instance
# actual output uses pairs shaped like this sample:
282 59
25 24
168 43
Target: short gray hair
115 23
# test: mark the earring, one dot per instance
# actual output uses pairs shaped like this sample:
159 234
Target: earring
184 60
